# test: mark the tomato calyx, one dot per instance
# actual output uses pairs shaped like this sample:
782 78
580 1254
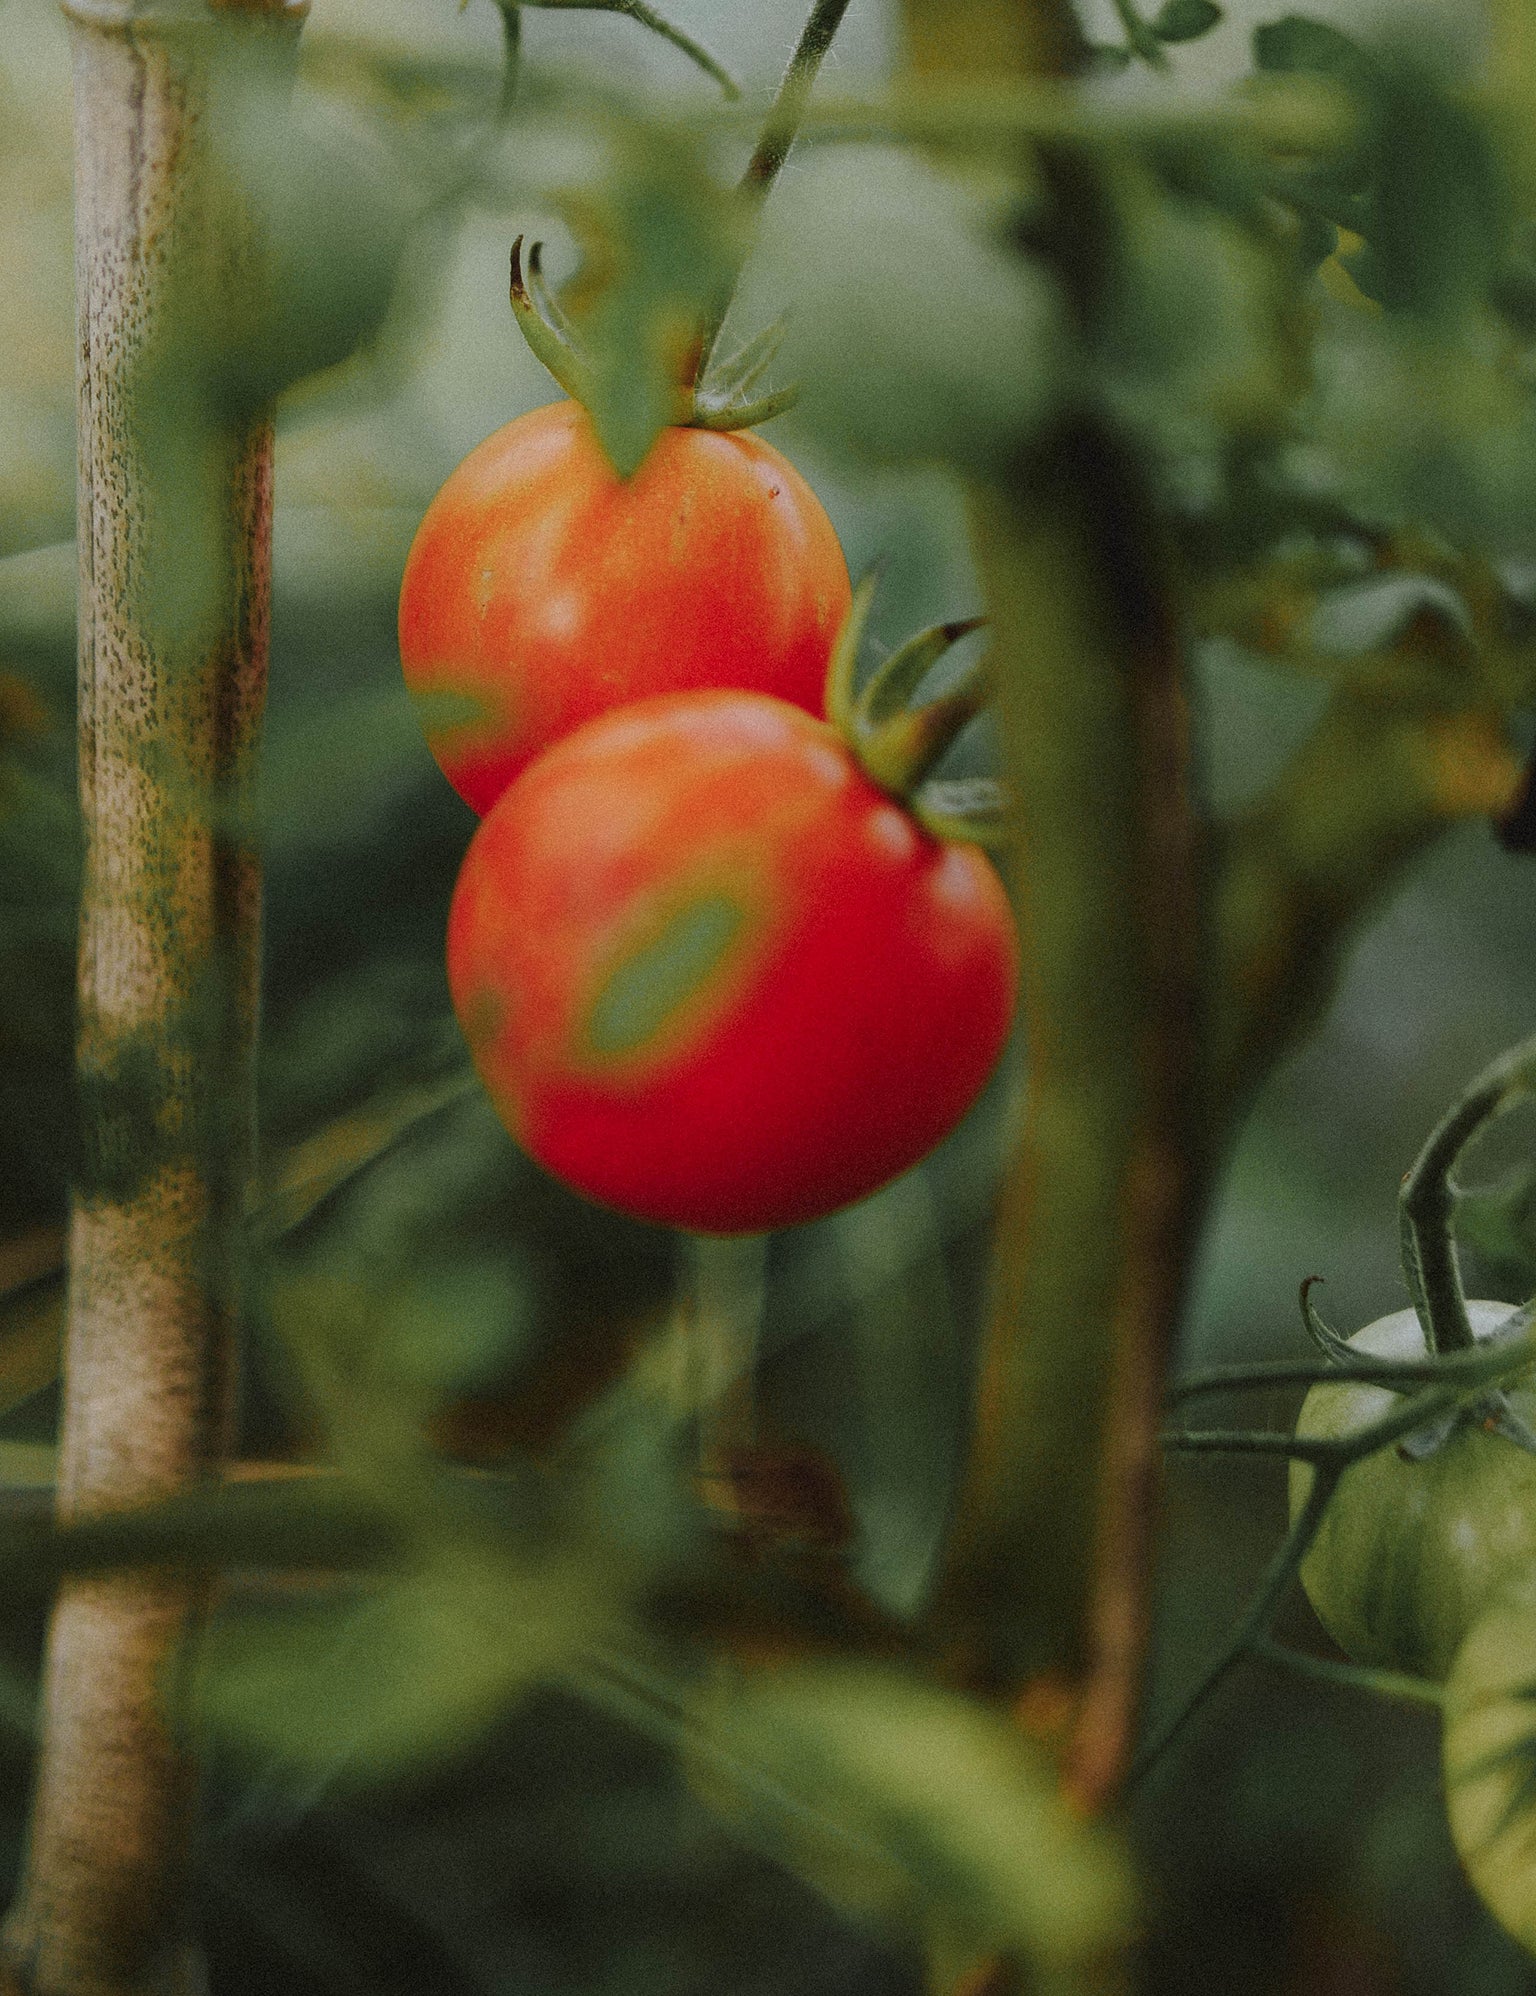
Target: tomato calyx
1489 1413
899 745
726 398
1486 1409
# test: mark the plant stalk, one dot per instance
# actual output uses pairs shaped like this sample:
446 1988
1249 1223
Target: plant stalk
780 127
1049 1567
174 552
1050 1563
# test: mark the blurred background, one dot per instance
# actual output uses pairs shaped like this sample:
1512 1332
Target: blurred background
1295 1841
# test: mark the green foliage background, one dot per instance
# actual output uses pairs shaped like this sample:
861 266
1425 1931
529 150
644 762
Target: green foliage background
384 1814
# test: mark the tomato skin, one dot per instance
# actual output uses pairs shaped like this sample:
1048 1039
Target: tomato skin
1411 1551
1489 1746
714 977
543 590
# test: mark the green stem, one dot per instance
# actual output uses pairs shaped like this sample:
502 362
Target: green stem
788 107
1050 1556
1467 1367
1253 1627
696 52
725 1309
1427 1204
1349 1676
774 142
511 59
647 17
1140 36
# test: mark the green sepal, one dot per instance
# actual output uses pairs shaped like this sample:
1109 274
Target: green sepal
839 702
724 400
548 345
900 752
895 682
743 415
971 809
544 298
897 745
747 366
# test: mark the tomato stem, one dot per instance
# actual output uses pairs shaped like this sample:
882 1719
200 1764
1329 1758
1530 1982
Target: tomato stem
1428 1199
647 17
723 1305
511 58
772 149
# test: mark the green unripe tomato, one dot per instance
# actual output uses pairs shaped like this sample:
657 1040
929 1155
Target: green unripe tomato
1410 1552
1490 1760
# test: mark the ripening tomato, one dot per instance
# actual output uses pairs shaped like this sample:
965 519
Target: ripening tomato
715 977
542 590
1410 1551
1490 1758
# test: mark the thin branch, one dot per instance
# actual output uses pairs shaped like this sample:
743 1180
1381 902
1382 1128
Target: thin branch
511 59
1468 1368
1349 1676
1247 1441
1253 1627
1427 1204
773 145
647 17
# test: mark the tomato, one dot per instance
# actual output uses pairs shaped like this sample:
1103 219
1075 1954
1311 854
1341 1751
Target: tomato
1410 1551
542 590
1490 1759
713 976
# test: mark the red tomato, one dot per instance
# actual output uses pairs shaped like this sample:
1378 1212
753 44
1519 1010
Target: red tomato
541 589
712 976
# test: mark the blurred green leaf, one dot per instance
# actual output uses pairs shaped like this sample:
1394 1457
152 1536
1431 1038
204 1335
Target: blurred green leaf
1185 20
649 17
409 1672
1192 341
1498 1222
917 332
31 1335
919 1809
1297 43
1424 183
380 1347
1403 428
659 239
332 215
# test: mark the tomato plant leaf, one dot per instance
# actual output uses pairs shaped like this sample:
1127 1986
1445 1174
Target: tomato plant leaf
659 240
1185 20
917 1809
917 332
402 1674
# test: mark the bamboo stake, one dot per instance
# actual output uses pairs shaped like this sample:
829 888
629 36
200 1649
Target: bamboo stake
174 548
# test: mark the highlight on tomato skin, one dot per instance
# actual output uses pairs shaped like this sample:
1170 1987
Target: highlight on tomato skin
714 977
541 590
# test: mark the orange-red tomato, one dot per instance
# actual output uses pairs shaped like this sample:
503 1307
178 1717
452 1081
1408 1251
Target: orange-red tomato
713 976
541 589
